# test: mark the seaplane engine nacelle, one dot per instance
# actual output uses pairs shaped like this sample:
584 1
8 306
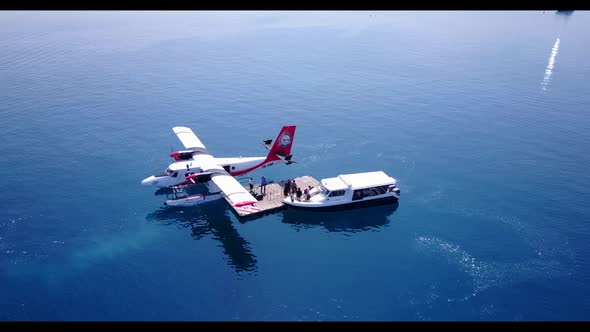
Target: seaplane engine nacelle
182 155
199 177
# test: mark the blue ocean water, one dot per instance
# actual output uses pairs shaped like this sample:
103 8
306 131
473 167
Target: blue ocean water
481 116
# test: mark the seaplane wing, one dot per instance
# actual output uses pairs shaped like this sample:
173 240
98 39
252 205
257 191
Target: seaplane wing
188 138
231 188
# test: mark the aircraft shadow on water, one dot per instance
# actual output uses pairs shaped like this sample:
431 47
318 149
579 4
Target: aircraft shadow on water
190 190
351 220
212 219
163 191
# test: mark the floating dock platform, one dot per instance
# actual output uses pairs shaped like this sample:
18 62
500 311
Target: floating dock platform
273 198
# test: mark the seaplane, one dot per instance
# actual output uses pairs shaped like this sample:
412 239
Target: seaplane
195 165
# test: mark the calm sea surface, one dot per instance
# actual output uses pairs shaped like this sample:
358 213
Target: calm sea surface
481 116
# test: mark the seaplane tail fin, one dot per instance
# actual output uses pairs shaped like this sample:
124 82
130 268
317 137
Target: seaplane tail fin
281 149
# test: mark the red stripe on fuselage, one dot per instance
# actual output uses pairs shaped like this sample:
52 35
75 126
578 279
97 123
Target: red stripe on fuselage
268 159
247 170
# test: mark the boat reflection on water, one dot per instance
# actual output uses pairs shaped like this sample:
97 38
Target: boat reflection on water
211 219
349 220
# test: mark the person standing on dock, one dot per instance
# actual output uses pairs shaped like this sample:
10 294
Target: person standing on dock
287 188
251 182
263 185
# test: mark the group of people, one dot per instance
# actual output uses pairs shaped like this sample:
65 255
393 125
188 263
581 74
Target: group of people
292 190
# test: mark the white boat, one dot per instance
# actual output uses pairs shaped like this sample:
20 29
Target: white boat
349 191
181 198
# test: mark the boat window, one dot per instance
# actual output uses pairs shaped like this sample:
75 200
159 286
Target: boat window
175 174
374 191
322 190
381 190
337 193
168 171
358 194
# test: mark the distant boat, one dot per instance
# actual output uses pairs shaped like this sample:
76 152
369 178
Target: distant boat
564 12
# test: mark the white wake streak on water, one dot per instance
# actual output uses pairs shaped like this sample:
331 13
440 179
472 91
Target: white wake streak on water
550 65
486 275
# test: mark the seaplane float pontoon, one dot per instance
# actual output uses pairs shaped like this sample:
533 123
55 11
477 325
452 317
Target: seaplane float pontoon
349 191
180 197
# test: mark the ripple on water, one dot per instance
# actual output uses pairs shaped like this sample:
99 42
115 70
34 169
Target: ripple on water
485 275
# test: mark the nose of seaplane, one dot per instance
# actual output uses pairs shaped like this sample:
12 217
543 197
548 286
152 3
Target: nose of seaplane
149 181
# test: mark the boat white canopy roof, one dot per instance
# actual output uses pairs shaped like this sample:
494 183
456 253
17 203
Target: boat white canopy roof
358 180
334 184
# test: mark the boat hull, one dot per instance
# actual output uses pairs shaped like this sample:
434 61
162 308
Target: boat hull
345 206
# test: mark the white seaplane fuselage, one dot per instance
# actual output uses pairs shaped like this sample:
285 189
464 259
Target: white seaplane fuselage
177 172
196 165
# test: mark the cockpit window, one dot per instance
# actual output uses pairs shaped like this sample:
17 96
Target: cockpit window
322 190
168 171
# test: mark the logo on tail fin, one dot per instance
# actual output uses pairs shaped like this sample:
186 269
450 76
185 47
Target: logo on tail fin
285 139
